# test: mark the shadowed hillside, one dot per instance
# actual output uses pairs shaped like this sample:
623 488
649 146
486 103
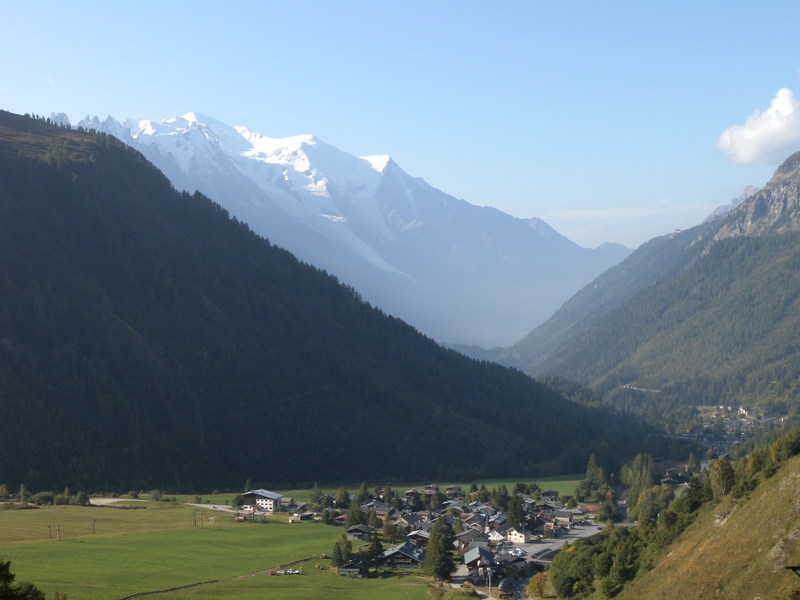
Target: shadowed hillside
148 339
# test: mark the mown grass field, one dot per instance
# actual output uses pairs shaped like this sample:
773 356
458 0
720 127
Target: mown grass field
146 549
563 484
145 546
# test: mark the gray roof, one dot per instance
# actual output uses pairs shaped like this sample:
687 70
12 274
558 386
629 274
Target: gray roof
407 549
479 553
264 494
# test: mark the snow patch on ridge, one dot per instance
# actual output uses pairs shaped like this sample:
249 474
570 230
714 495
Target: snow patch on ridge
379 162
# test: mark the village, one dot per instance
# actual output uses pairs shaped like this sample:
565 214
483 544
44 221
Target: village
516 535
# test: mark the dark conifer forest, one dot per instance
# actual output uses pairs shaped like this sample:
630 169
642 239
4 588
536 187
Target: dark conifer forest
148 339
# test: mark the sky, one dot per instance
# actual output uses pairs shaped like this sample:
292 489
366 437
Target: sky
612 121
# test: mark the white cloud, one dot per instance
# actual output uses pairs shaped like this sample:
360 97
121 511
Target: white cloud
766 137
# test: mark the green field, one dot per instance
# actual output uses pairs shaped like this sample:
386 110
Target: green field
563 484
146 546
147 549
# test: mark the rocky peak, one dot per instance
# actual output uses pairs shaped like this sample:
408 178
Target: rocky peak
775 209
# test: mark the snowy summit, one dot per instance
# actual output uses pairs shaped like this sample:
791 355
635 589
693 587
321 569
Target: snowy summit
458 272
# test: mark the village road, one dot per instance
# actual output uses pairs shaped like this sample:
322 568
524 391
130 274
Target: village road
545 548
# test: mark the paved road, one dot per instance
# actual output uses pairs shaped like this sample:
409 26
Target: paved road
548 546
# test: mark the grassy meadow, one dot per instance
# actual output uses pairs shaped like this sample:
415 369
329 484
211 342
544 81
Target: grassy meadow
563 484
146 549
140 546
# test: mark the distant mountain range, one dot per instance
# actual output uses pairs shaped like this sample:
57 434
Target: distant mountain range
149 340
458 272
705 315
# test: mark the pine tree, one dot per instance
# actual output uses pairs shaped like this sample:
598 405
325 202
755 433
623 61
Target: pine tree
372 518
363 492
342 498
438 561
637 476
514 512
389 530
593 486
355 515
342 551
375 550
316 496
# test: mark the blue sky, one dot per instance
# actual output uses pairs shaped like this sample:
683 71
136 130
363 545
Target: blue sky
606 119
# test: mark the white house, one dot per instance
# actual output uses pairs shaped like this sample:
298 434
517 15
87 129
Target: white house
261 500
517 535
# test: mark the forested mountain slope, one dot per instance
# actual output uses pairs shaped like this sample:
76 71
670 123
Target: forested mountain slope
706 316
149 340
657 259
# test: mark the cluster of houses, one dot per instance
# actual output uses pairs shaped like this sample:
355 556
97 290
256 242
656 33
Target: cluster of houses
487 543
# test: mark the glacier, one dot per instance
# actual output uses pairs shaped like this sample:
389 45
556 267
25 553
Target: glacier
460 273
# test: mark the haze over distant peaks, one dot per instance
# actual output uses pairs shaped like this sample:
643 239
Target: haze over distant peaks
458 272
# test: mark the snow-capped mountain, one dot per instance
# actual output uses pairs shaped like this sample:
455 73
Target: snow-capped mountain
458 272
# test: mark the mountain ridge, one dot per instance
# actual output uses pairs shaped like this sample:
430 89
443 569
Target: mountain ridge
458 272
703 316
149 340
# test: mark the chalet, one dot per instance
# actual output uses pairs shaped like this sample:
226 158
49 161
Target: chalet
549 495
479 557
498 534
261 500
498 521
360 532
289 505
507 559
536 525
455 491
404 556
354 568
476 521
467 537
564 517
408 522
419 537
301 516
381 508
457 507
